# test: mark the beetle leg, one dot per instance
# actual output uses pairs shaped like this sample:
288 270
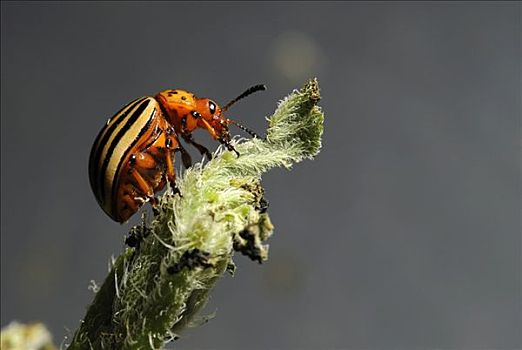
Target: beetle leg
142 160
142 185
129 202
140 164
146 189
202 149
171 146
163 150
185 157
171 173
229 146
171 142
184 124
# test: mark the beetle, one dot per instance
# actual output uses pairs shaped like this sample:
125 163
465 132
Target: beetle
132 157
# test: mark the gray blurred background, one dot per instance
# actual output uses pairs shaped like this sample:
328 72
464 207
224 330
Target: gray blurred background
404 233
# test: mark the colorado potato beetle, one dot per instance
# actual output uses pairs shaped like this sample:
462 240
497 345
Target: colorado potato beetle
132 157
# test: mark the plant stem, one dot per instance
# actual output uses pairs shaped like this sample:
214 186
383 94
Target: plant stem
156 290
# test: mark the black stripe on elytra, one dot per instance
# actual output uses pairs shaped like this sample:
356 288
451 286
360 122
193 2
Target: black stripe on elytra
94 159
130 122
120 163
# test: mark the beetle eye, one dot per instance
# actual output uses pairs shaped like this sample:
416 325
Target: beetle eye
212 107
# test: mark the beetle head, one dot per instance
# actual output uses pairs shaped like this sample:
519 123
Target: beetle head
210 117
214 120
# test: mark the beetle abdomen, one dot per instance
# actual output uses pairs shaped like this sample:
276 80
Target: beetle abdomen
133 125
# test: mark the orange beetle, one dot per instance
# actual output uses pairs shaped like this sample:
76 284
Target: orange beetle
133 156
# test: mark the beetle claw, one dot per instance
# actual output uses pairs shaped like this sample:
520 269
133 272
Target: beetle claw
175 190
232 149
229 146
186 158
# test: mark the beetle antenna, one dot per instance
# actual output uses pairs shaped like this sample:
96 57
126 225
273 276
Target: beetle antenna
249 91
244 128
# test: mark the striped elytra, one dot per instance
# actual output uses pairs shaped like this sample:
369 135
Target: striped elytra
131 131
132 157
